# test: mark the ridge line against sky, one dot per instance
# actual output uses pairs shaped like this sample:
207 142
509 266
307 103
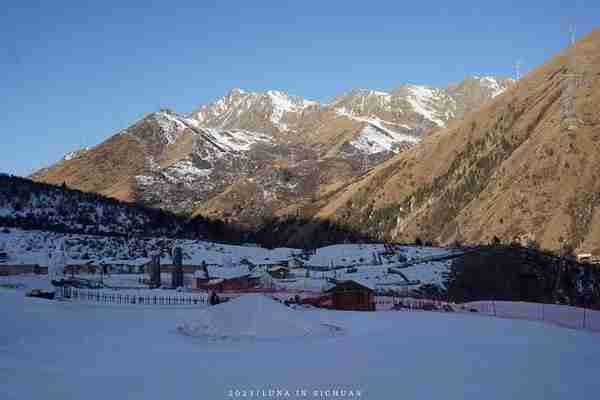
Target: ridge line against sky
75 73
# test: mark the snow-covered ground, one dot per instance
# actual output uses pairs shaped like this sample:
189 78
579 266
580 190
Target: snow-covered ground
371 260
254 316
352 254
59 350
26 247
36 247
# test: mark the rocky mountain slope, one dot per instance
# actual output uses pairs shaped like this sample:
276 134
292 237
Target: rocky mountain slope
524 167
251 156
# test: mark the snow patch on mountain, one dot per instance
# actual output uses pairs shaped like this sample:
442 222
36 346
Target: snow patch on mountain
69 156
283 103
492 83
237 140
424 101
185 170
144 180
223 141
374 138
273 104
361 101
74 154
379 93
171 125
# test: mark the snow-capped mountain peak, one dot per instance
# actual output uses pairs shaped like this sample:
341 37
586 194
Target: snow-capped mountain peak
269 148
253 111
171 124
433 104
497 86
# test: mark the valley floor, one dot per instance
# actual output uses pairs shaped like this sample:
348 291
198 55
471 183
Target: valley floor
53 350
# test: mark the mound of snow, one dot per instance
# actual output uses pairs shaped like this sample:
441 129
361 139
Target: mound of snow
254 316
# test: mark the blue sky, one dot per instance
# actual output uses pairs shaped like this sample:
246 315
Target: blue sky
74 72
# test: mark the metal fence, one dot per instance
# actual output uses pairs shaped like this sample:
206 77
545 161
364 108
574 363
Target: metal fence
568 316
105 297
556 314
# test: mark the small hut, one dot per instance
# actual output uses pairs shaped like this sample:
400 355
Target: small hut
353 295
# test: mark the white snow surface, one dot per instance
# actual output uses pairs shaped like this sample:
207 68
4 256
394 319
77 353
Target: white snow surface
253 316
72 154
375 136
352 254
183 171
225 261
235 140
171 126
283 103
145 180
423 100
376 139
493 84
238 102
55 350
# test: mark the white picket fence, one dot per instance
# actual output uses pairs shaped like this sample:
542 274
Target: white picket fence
114 297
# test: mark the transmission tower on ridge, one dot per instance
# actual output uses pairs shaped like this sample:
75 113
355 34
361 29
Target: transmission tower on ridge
572 34
518 65
573 78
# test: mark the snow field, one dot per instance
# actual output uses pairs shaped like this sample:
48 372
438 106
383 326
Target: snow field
253 316
57 350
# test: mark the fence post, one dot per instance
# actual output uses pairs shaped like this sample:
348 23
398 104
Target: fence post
584 316
543 311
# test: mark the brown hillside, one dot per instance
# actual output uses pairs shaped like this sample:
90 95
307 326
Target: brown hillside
109 168
527 165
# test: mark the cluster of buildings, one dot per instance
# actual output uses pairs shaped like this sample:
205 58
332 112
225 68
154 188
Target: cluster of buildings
247 275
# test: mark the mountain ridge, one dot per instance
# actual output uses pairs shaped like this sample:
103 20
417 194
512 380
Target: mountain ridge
249 156
521 168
